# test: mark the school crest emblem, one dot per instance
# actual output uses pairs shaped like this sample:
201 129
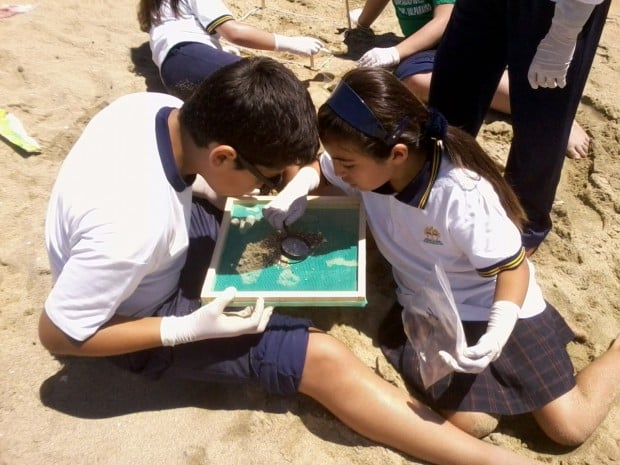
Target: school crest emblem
432 236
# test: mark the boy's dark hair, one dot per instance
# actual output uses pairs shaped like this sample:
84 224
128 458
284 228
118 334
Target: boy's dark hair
393 104
258 107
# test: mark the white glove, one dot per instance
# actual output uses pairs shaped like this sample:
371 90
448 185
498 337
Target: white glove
210 321
244 224
380 57
555 51
299 45
474 359
354 15
290 204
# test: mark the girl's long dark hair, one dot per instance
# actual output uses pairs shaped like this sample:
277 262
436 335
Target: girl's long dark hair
149 12
391 102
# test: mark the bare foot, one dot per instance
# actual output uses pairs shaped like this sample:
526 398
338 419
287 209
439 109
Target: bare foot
578 142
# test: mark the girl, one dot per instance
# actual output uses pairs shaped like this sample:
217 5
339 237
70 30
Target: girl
185 40
423 26
433 196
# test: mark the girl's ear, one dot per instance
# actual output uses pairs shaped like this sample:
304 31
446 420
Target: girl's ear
399 154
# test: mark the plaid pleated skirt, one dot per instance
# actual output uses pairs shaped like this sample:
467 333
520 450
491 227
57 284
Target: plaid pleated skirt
533 369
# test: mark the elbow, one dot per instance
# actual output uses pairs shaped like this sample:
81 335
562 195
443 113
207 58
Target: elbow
44 338
48 342
50 337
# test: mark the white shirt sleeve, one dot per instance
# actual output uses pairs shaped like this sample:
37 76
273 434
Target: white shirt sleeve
210 13
92 284
481 228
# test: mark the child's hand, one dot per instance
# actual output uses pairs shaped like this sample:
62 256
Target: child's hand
380 57
474 359
212 321
290 204
463 364
298 45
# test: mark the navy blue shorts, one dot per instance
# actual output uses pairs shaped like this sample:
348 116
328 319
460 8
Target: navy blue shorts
188 64
273 360
533 369
421 62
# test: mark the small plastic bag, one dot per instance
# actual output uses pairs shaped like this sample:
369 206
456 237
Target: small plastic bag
12 130
432 323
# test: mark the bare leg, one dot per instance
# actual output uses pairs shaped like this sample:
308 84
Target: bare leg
578 141
478 424
573 417
419 84
501 99
384 413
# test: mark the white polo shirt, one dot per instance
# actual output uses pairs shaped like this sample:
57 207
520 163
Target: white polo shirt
451 216
196 22
118 218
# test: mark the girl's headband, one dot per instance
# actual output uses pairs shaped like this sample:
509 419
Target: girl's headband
349 106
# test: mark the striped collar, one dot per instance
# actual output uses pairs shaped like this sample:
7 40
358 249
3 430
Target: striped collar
416 193
164 146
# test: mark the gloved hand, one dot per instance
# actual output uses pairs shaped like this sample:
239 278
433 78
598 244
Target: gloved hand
290 204
244 224
354 15
298 45
555 51
380 57
210 321
474 359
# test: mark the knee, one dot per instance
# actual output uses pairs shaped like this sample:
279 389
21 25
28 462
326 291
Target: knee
568 434
327 364
475 424
325 353
566 427
418 85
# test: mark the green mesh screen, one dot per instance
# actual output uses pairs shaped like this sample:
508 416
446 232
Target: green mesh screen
247 261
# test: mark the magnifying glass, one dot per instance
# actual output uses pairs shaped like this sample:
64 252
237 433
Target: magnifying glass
293 245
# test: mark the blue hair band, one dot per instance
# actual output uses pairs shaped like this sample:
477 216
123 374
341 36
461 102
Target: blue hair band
437 125
349 106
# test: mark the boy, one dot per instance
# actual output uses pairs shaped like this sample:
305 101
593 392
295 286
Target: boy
129 248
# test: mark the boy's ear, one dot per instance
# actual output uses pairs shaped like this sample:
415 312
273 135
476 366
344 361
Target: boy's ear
399 154
222 154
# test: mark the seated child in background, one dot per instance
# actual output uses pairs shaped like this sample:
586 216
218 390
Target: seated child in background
185 36
414 172
423 26
130 247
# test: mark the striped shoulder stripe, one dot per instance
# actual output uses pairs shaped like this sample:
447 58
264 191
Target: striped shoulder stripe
508 264
433 176
217 22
